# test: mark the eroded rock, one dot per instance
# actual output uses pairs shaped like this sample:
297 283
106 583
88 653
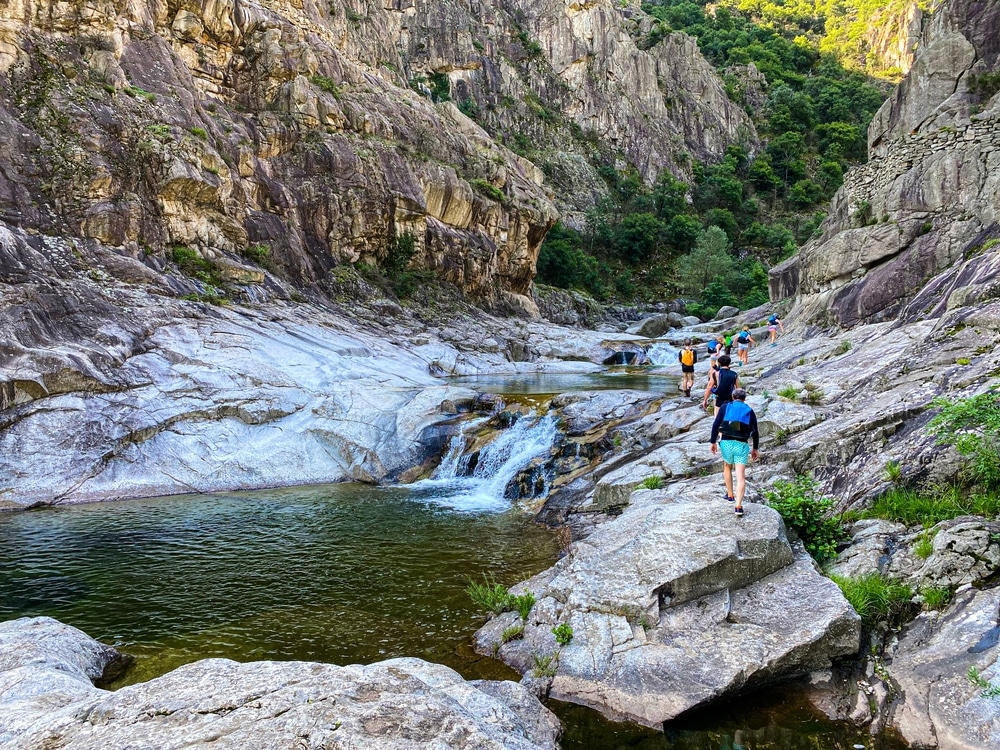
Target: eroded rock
399 703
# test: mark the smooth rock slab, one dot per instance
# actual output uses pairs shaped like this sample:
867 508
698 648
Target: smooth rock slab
677 604
398 704
673 460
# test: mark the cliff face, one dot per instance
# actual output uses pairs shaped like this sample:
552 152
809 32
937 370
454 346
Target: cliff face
927 201
233 124
308 128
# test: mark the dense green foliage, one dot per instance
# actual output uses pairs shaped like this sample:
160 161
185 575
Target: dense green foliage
876 598
972 425
808 515
652 241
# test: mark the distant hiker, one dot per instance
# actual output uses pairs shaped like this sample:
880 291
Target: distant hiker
687 357
772 327
721 382
743 342
713 351
729 344
736 424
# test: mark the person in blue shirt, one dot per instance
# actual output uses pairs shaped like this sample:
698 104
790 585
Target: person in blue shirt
734 427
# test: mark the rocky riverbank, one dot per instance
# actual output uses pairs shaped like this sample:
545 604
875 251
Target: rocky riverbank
47 696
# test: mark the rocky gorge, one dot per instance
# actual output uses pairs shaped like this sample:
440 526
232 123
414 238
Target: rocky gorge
115 386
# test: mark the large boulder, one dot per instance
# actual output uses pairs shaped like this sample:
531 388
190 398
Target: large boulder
674 604
404 704
938 705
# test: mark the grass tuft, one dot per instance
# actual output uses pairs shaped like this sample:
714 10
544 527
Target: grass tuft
489 595
876 598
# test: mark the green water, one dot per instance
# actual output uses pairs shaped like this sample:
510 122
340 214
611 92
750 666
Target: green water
340 573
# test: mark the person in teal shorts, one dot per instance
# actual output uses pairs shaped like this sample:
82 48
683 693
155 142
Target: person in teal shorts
734 427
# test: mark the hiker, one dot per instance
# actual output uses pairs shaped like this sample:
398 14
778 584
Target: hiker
729 344
772 327
721 382
743 342
687 357
713 352
734 426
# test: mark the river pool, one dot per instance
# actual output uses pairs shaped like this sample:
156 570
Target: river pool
340 573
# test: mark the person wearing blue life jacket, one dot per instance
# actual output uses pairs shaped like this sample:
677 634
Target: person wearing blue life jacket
734 427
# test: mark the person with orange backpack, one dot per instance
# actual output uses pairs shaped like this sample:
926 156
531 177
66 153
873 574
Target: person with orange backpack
687 357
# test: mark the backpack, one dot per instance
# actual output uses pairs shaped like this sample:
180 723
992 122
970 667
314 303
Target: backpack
736 420
687 357
773 319
744 337
712 345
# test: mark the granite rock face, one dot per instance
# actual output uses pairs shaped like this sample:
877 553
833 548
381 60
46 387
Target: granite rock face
926 202
676 603
48 700
939 706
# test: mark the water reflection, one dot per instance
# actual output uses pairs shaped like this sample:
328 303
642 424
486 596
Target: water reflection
341 574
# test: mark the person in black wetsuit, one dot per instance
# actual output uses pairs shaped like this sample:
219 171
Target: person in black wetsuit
721 382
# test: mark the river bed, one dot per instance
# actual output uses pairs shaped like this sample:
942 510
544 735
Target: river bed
345 573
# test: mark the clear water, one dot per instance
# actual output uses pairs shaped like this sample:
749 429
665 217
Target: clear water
344 574
340 573
649 378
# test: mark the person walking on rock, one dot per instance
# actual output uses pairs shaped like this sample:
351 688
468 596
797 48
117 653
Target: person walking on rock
687 357
721 382
734 427
743 342
772 327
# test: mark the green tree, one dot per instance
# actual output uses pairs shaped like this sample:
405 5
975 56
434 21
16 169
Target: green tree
709 261
637 236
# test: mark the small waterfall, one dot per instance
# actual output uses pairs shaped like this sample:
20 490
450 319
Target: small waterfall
662 354
499 463
452 464
512 449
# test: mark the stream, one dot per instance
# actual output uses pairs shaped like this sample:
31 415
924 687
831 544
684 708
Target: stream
346 573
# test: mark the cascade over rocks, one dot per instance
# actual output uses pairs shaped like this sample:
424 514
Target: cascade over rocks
47 699
113 389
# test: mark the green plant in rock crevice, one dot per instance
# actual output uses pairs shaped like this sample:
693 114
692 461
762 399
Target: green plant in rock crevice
790 392
972 426
650 483
986 688
489 595
935 597
523 603
894 471
807 514
876 598
563 633
923 547
513 633
545 665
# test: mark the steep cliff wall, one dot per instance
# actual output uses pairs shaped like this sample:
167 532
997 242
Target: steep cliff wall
928 200
312 129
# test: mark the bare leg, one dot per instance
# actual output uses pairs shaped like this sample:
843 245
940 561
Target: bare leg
727 473
741 484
